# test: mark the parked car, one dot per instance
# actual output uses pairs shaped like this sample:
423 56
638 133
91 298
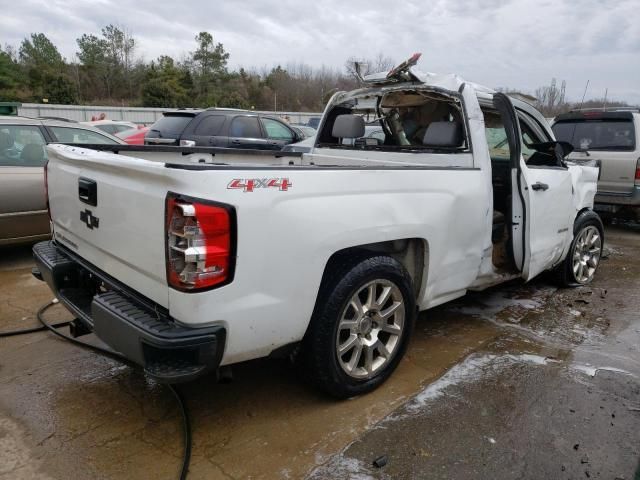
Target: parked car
220 257
112 126
23 214
314 122
611 138
221 128
60 119
134 136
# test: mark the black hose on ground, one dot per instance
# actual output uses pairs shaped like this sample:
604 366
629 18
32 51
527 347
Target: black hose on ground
13 333
186 426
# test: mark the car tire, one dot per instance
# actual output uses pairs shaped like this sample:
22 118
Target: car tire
585 252
361 324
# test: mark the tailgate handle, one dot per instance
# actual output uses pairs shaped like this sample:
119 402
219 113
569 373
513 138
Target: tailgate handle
88 191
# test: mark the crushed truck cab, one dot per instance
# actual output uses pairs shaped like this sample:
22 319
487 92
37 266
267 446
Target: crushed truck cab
186 259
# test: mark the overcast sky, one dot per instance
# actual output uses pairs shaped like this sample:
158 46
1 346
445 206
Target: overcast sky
517 43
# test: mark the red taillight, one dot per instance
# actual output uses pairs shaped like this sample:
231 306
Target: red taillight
199 243
46 188
637 180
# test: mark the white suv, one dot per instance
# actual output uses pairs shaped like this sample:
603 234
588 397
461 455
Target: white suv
611 138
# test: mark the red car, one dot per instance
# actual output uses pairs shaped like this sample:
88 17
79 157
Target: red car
135 136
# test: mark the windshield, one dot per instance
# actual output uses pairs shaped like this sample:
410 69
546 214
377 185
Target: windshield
171 125
596 134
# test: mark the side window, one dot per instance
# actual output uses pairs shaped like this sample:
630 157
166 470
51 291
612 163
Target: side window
414 121
210 125
527 139
532 133
276 130
108 128
21 146
496 137
78 135
245 127
121 128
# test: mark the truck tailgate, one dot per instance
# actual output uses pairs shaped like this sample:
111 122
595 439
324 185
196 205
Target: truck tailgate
121 227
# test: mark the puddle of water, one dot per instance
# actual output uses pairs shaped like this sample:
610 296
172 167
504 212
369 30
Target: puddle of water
472 369
593 371
343 467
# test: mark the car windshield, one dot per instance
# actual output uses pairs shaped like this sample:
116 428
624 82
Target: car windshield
596 134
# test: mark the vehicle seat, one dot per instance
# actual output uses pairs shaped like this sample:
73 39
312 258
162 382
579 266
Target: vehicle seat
32 155
443 134
348 128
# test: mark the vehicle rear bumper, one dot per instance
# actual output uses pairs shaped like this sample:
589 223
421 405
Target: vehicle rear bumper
130 324
631 199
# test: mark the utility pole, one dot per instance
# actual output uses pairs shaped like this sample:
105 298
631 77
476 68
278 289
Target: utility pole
604 105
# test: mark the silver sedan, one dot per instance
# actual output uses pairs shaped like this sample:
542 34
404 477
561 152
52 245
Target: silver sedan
23 213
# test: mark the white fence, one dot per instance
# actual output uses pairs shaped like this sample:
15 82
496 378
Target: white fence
83 113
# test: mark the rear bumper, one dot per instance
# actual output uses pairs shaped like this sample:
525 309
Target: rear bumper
623 199
130 324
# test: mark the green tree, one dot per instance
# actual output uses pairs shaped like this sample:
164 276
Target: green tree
39 52
209 62
96 76
11 77
120 47
46 70
108 62
163 86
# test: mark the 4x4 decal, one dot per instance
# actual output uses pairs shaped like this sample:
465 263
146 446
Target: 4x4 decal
250 184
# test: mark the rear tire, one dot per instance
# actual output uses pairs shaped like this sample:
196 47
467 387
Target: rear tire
361 325
585 252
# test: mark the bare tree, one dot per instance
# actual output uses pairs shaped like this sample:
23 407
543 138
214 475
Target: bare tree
357 66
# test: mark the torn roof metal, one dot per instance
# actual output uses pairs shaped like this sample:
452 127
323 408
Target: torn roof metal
405 73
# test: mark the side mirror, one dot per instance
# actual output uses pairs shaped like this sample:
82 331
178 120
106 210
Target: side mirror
549 153
564 148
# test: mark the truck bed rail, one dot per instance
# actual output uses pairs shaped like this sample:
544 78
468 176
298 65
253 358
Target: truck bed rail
183 150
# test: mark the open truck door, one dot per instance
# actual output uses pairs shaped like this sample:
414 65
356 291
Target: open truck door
542 206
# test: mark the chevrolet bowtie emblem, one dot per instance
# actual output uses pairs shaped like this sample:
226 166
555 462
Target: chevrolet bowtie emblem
89 220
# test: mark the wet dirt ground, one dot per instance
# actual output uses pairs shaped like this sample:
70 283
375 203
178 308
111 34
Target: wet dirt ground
521 381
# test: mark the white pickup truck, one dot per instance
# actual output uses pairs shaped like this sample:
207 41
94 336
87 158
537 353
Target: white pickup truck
189 259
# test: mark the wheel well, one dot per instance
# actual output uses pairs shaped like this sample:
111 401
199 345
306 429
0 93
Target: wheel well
412 253
587 209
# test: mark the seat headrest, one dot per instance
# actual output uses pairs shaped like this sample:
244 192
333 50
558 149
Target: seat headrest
443 134
348 126
6 140
32 155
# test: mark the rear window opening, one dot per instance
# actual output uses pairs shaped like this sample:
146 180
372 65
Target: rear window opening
596 134
170 125
401 120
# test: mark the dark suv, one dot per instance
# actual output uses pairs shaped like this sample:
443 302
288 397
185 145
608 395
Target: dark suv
221 128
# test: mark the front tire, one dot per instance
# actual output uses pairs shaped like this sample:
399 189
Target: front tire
361 325
583 258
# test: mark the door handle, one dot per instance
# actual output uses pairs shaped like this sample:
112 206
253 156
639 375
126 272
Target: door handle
540 186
